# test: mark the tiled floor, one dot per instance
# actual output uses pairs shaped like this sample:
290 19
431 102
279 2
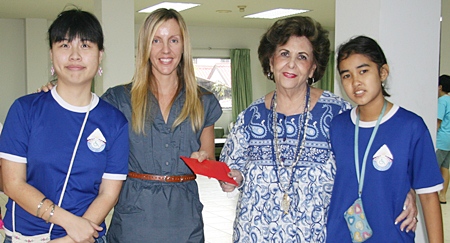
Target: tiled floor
219 212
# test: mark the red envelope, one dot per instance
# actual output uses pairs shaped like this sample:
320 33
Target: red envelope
210 168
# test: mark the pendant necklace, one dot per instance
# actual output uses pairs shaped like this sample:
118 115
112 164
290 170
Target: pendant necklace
286 201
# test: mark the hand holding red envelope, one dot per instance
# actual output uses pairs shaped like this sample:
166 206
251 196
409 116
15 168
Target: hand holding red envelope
210 168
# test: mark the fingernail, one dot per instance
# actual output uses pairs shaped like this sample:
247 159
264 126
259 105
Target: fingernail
407 231
395 222
404 207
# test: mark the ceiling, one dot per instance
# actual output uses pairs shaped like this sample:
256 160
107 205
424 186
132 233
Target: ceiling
203 15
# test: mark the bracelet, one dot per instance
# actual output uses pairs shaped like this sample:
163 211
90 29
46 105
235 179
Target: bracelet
51 213
40 205
42 215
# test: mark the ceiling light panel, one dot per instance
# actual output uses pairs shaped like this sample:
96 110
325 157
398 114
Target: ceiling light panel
276 13
169 5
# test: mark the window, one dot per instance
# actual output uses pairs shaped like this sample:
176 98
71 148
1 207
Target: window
214 74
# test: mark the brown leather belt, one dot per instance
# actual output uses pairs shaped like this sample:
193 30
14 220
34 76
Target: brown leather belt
163 178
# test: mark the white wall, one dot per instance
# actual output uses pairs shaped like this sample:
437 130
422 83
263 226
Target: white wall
12 63
37 58
445 38
402 45
117 18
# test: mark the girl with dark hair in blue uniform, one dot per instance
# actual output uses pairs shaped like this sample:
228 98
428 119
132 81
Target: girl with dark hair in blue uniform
64 195
381 151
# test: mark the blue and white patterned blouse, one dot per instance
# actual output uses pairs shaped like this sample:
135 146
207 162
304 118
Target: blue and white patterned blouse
250 149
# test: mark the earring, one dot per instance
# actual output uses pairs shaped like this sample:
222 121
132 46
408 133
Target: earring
311 81
100 71
270 75
52 70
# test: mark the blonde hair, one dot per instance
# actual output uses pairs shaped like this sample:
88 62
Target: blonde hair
143 77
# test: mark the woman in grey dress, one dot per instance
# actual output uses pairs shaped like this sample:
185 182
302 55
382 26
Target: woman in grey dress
170 116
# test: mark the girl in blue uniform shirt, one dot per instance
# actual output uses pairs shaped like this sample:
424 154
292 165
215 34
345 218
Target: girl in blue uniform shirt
64 195
393 150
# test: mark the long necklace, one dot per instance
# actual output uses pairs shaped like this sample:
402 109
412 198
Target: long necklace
286 201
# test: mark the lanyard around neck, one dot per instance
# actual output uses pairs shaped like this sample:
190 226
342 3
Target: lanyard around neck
372 137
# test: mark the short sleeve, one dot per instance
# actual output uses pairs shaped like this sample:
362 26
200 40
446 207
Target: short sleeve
112 95
117 165
442 106
15 134
212 107
426 177
235 150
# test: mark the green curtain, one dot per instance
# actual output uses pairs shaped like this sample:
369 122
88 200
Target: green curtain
241 81
327 82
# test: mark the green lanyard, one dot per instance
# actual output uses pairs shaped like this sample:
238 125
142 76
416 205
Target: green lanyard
372 137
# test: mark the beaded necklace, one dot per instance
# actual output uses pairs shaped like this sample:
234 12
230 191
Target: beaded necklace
286 202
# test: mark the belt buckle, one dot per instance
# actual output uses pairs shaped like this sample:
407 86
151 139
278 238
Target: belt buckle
166 178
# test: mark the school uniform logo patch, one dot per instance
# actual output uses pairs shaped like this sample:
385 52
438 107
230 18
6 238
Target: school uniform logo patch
383 158
96 142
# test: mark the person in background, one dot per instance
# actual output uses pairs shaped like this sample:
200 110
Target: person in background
381 151
443 133
66 193
279 150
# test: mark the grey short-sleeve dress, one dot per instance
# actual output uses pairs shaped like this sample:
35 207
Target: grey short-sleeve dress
151 211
